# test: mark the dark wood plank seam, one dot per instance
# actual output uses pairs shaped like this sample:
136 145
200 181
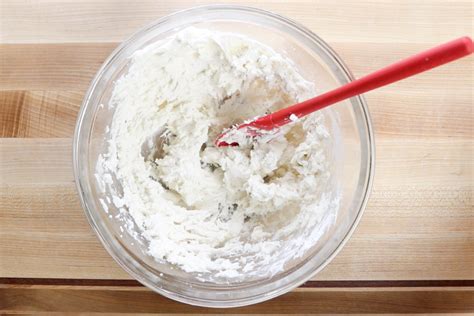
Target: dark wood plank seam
308 284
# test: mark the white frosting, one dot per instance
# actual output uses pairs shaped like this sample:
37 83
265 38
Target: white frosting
224 212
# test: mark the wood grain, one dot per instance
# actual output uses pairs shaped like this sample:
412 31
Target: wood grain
385 21
418 226
127 285
394 247
47 161
38 113
300 301
56 67
72 66
420 106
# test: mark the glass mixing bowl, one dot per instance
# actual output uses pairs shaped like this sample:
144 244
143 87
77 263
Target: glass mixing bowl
348 123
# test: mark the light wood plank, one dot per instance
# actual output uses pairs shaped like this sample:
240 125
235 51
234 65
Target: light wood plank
55 239
391 243
35 161
361 21
301 301
446 113
56 67
71 67
420 106
418 224
400 162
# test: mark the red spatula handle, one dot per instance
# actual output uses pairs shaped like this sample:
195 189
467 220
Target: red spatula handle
405 68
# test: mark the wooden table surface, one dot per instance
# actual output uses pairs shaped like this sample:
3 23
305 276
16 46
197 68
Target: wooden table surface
414 248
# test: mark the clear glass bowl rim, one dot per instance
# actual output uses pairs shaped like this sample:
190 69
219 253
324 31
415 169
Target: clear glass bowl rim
127 262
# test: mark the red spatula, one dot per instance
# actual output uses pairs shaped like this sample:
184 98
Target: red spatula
405 68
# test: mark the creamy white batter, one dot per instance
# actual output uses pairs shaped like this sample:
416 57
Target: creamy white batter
229 211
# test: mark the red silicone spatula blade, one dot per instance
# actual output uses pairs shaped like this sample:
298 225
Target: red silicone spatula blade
400 70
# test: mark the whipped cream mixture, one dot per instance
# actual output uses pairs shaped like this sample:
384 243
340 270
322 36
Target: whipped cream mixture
221 212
